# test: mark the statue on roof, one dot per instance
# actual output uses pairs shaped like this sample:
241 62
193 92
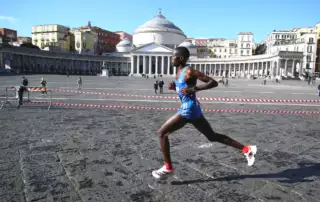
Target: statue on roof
89 25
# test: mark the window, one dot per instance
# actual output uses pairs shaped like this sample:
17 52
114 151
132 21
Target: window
283 36
308 58
311 40
248 45
241 45
309 49
248 52
225 50
241 52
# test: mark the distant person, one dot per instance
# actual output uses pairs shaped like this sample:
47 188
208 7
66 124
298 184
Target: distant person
44 85
319 90
155 86
264 82
21 90
68 74
161 83
79 83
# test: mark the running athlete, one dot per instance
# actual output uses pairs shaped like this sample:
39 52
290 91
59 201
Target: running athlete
190 112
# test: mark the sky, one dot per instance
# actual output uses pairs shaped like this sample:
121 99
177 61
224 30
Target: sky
198 18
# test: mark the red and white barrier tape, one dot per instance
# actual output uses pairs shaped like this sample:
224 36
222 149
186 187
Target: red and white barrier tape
199 98
37 89
174 109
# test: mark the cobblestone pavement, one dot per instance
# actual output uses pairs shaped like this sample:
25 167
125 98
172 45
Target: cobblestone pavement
82 154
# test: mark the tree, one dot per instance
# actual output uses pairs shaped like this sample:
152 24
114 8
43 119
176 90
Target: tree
261 49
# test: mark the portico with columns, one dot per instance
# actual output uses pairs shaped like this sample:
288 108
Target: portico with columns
152 59
286 64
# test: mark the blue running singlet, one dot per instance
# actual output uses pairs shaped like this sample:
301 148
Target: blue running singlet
190 108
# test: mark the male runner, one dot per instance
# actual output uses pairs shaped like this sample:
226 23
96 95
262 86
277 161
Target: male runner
190 112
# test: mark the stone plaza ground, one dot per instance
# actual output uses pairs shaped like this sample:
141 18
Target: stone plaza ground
92 154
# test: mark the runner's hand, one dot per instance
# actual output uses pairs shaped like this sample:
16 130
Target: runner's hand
172 86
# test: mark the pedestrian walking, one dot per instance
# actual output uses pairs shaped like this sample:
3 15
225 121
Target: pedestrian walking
161 83
21 90
44 85
79 83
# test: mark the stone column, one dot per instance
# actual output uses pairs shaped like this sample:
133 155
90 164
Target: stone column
286 68
278 68
127 67
156 65
150 59
168 64
138 64
132 63
144 64
293 69
252 70
162 65
300 67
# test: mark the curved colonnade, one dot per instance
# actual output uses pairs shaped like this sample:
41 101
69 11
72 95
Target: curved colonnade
287 64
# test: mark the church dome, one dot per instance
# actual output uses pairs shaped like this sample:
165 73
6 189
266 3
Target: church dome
158 30
159 23
187 44
124 45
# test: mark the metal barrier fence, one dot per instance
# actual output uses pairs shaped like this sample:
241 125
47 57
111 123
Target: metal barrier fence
8 99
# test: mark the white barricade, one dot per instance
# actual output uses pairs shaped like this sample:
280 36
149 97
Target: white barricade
9 99
40 89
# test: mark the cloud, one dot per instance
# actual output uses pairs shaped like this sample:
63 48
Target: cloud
8 18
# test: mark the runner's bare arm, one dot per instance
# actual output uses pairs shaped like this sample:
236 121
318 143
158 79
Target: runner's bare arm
208 81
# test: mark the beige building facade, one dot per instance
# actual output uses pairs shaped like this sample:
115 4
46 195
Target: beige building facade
55 35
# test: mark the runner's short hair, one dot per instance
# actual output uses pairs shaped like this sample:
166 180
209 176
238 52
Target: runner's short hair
182 51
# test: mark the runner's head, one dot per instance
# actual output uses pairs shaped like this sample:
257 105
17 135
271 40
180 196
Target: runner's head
180 56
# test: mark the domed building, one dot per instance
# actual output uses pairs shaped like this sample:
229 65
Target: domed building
158 30
153 44
124 46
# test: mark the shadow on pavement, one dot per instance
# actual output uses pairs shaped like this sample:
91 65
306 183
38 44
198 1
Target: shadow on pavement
290 175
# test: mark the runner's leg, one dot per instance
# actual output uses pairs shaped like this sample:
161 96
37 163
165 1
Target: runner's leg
204 127
172 124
